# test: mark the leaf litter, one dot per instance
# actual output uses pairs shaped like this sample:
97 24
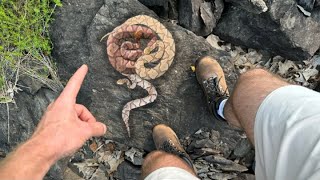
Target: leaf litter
305 73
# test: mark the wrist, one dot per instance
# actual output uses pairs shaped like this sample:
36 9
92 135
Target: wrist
31 160
40 149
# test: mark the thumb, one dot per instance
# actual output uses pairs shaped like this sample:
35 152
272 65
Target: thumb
97 128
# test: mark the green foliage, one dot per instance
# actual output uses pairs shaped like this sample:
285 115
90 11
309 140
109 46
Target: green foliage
24 25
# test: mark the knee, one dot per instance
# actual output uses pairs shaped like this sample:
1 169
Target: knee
253 74
153 157
150 161
158 159
247 82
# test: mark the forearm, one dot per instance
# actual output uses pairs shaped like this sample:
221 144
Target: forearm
30 160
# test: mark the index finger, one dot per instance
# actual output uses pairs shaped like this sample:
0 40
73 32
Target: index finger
73 86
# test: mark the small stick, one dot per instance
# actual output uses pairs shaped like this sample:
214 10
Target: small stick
8 121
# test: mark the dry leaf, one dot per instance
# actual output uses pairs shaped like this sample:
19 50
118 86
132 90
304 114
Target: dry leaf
193 68
93 146
113 159
87 168
309 72
315 61
285 66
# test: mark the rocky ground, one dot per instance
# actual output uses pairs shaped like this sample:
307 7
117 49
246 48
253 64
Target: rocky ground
264 34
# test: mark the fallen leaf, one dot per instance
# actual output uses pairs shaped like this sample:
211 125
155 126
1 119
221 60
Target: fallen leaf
213 41
93 146
193 68
112 159
315 61
309 72
285 66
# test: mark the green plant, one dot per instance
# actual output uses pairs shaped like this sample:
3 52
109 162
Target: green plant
25 46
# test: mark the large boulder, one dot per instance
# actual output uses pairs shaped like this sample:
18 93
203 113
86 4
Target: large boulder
76 34
163 8
254 6
282 30
200 16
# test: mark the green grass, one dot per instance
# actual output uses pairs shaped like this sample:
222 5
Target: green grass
25 46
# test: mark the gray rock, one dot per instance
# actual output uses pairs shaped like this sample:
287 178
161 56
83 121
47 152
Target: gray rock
203 169
76 33
23 118
163 8
254 6
203 152
234 167
128 171
30 85
242 148
70 175
223 176
202 143
135 156
200 16
282 30
218 160
245 176
202 175
100 173
248 159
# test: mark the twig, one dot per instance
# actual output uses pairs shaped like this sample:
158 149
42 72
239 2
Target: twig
8 122
98 148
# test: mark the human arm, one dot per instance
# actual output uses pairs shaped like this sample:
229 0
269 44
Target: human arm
63 129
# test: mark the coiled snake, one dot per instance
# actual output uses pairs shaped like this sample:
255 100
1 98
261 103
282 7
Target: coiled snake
124 49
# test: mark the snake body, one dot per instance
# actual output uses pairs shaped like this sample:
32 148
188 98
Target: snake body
139 64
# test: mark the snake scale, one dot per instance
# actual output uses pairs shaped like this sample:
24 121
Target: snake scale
139 62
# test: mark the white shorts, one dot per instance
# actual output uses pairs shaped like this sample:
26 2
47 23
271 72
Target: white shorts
170 173
287 135
287 138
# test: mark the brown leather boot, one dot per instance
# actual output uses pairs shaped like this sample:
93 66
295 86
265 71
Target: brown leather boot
212 80
166 140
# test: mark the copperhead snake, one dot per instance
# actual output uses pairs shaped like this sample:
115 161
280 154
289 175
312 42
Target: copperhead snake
128 56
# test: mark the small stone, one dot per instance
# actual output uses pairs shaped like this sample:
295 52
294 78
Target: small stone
213 40
223 176
135 156
214 170
219 160
203 143
234 167
203 169
202 175
204 152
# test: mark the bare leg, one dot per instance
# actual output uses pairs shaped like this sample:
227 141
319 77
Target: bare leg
251 89
159 159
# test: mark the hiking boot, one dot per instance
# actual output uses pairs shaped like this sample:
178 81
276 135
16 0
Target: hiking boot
166 140
211 78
